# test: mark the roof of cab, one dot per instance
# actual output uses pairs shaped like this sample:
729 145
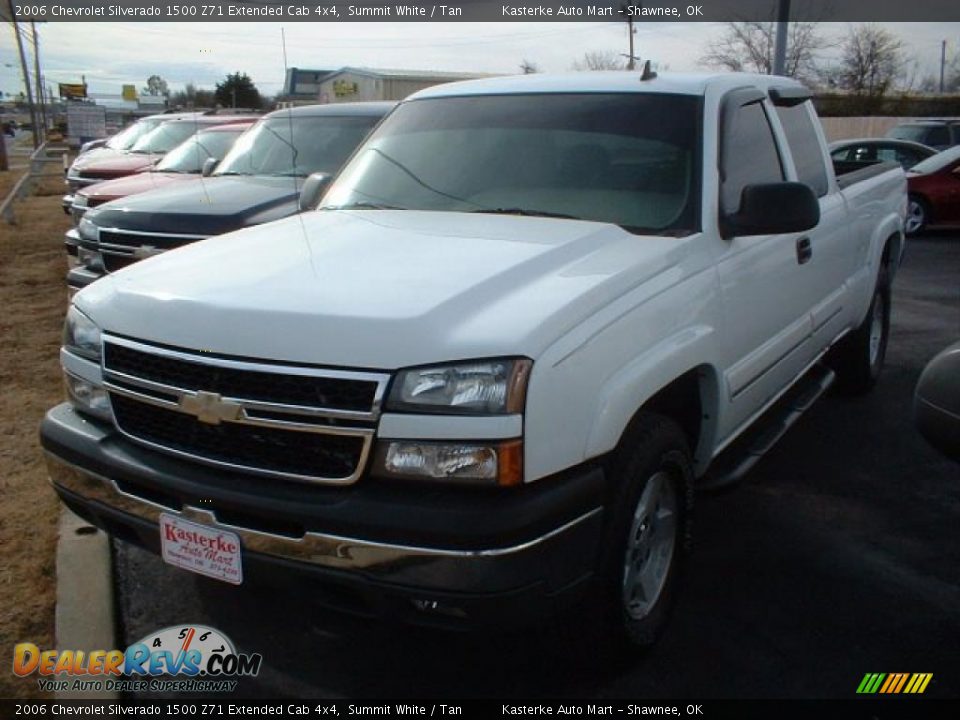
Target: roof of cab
604 82
374 109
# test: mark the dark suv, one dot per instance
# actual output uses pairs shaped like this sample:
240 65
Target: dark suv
938 134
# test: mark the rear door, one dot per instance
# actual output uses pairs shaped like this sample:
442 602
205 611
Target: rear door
766 296
834 255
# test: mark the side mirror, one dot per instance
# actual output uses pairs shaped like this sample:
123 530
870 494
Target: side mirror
313 189
936 402
209 165
773 208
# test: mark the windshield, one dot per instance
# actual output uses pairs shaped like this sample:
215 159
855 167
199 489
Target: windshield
189 156
164 138
629 159
296 145
125 139
937 162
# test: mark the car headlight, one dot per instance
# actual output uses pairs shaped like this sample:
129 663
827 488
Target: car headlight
81 336
80 200
482 387
87 229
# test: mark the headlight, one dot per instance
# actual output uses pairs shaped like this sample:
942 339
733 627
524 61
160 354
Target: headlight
484 387
80 200
81 335
474 463
87 230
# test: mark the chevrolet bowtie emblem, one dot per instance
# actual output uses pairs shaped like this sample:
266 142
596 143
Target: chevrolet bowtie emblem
210 407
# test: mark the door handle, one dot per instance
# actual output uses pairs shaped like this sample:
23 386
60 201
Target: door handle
804 250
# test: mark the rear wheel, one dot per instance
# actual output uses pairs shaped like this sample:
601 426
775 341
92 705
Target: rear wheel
918 215
859 358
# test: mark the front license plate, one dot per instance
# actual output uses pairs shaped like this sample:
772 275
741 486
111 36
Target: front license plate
201 549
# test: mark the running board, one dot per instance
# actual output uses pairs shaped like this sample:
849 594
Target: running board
735 462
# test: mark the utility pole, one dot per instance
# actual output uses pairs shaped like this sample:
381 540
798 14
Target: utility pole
631 60
780 48
38 79
943 63
26 75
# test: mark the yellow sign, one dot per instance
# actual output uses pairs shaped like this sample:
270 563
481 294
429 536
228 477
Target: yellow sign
130 92
73 90
342 88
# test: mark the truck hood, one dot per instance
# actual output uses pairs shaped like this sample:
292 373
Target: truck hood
120 164
132 185
211 207
380 289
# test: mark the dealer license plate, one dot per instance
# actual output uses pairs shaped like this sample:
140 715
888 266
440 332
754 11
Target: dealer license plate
201 549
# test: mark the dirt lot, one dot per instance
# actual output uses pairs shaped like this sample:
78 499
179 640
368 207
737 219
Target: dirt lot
33 298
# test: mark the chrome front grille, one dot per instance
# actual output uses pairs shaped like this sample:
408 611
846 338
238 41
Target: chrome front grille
289 421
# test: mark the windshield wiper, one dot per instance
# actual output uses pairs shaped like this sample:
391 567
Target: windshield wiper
526 212
362 205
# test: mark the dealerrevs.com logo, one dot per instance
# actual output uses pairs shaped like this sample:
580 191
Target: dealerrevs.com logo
198 658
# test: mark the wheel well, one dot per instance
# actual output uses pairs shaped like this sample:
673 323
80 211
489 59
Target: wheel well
682 402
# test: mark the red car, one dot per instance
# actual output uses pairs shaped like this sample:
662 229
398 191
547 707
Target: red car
934 188
185 162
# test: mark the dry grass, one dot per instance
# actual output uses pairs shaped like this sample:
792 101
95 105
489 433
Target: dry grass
33 301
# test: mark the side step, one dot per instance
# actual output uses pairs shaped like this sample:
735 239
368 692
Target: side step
736 460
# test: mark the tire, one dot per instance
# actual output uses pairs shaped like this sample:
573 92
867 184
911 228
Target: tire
918 215
647 537
859 358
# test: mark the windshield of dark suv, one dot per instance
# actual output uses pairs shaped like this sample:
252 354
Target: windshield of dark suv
190 155
629 159
165 138
125 139
296 145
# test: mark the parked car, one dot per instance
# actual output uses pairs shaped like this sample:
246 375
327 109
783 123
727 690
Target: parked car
135 148
183 163
259 180
934 187
858 153
482 382
938 134
936 402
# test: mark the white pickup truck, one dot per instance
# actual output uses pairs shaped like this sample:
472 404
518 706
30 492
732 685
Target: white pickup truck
530 317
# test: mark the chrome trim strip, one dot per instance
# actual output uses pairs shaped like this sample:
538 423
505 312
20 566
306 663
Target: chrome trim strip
313 547
145 233
381 379
263 406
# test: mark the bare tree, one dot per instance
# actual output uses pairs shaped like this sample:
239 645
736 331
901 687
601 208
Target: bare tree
600 60
749 47
871 60
528 67
156 85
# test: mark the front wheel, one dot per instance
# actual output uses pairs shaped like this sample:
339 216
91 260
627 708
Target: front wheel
918 215
648 533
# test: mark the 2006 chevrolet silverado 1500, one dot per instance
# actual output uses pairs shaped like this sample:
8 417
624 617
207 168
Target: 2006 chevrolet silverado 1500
530 316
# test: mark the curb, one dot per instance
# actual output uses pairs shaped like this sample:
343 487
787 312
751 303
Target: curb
85 604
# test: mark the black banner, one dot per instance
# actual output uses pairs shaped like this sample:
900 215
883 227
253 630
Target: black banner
873 708
485 10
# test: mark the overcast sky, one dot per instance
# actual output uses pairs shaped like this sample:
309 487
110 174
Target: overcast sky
111 54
